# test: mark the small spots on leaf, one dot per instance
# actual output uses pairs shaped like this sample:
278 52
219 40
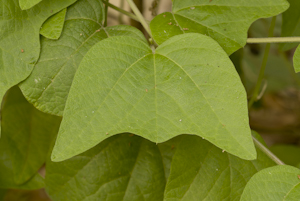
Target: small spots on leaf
298 176
170 23
131 135
106 133
223 151
192 8
164 15
146 90
22 50
185 29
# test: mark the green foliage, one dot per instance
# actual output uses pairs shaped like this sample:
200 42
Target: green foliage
225 21
161 118
19 38
26 4
291 23
52 28
274 183
188 85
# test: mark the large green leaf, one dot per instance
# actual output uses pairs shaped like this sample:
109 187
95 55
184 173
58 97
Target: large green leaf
53 27
48 85
201 171
279 183
123 167
20 39
290 24
26 4
188 86
225 21
25 142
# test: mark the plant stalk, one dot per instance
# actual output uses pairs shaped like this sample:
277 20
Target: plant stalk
263 66
139 16
106 13
132 16
267 151
274 40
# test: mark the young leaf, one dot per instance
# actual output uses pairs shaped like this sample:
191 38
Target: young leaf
275 183
296 60
225 21
201 171
25 142
26 4
53 27
123 167
188 86
48 86
290 24
19 38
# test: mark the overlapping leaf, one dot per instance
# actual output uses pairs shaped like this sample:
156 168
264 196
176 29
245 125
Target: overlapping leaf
188 86
19 38
290 24
296 60
48 85
26 4
280 183
119 167
225 21
53 27
201 171
25 142
123 167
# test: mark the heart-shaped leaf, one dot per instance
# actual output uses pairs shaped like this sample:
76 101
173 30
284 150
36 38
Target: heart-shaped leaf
47 87
53 27
280 183
20 39
290 24
123 167
26 137
201 171
225 21
188 86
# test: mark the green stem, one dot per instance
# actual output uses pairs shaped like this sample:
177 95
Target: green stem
132 16
106 13
139 16
267 151
274 40
263 65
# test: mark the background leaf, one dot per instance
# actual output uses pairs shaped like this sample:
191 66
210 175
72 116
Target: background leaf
26 137
48 86
225 21
289 154
296 60
53 27
188 86
201 171
19 38
290 24
274 183
123 167
26 4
